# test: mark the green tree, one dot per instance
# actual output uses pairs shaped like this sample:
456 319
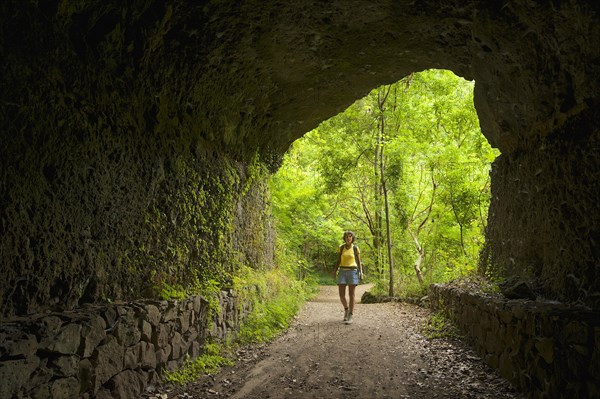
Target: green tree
406 165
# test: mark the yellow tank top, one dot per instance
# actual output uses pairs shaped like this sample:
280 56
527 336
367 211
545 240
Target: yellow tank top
347 259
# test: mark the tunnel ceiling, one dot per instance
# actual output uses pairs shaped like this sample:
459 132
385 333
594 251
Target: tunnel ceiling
232 69
115 115
286 66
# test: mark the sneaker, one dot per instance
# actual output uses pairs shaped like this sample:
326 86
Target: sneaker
346 313
349 318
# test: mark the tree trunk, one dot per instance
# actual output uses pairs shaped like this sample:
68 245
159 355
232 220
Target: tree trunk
420 257
389 238
381 103
377 237
460 225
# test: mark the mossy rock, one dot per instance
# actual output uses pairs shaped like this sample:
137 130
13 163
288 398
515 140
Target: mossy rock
367 297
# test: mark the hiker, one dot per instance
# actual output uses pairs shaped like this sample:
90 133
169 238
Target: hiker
350 271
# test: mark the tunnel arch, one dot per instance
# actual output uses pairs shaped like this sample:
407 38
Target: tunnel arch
529 104
340 50
178 93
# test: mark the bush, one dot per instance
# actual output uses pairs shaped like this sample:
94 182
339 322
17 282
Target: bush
278 299
211 360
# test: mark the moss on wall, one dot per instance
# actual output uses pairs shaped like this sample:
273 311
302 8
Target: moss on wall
109 189
120 219
130 131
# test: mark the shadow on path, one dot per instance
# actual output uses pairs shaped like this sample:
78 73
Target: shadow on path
382 354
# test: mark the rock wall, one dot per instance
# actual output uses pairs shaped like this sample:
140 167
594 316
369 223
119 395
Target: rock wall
547 349
545 213
109 351
130 130
113 183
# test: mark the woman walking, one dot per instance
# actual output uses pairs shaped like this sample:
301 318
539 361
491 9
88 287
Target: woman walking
350 271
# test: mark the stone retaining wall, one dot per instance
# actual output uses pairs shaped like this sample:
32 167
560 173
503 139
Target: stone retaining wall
110 351
547 349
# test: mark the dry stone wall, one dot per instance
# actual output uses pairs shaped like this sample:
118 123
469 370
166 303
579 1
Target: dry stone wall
109 351
547 349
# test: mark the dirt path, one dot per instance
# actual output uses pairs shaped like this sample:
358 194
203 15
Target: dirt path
381 355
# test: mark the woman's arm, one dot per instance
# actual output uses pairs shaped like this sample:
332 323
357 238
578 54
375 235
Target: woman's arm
360 266
337 264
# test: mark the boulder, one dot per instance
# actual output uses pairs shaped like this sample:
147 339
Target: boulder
147 356
107 361
126 385
131 359
126 330
65 366
516 288
16 343
65 342
14 374
152 315
65 388
92 333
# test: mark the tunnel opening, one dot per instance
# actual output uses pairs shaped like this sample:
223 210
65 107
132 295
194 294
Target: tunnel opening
416 145
136 138
174 84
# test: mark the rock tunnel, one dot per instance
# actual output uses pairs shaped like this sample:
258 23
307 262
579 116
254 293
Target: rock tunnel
131 131
137 137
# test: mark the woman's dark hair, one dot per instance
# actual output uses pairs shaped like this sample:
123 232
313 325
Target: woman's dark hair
348 233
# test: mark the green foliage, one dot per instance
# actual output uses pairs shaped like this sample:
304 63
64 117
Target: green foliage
276 298
380 289
324 278
411 288
439 326
302 214
210 361
167 292
209 289
435 163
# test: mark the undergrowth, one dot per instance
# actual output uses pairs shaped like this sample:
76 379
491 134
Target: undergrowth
210 361
325 278
409 286
275 298
440 326
405 288
209 290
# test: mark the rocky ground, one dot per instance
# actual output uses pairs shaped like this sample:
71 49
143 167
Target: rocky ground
382 354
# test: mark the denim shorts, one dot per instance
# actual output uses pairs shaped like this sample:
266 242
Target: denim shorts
348 277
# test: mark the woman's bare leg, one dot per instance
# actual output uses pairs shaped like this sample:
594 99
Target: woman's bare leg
351 289
342 290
